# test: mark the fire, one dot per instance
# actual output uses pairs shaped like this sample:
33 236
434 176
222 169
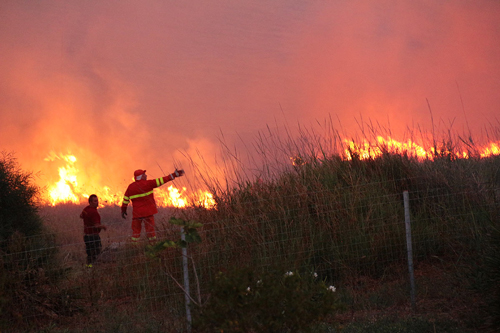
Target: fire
63 190
492 149
174 197
171 197
367 150
68 189
75 186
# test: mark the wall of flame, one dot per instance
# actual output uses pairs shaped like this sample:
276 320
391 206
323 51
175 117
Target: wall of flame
75 186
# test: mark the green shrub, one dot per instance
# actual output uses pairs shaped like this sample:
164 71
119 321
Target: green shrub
18 198
243 300
27 252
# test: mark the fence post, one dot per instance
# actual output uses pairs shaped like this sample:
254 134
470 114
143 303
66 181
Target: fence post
186 281
409 248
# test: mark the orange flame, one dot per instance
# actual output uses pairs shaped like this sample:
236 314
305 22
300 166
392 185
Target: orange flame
367 150
68 190
492 149
63 190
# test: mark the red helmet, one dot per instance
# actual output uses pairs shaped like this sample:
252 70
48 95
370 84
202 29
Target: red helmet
138 173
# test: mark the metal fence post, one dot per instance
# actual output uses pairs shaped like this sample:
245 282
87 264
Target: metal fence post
186 281
409 248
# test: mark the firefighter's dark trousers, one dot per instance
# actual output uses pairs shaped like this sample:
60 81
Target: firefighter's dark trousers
93 247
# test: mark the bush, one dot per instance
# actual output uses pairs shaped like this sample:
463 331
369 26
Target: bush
18 198
242 300
27 253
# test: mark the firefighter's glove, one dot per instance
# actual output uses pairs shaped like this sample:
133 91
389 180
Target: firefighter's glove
178 173
124 215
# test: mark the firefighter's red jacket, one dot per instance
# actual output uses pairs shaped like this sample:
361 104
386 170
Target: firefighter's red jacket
91 221
140 193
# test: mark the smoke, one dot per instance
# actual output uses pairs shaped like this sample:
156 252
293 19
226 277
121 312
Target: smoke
125 85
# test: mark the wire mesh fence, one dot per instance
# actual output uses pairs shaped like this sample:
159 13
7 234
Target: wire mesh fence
353 237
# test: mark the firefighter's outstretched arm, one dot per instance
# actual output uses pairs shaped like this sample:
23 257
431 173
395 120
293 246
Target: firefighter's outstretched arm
163 180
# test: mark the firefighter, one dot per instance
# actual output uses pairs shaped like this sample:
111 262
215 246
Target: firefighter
91 228
140 192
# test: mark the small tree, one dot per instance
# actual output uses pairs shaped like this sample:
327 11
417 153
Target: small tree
18 198
27 254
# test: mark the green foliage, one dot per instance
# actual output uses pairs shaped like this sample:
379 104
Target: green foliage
27 254
191 235
243 300
18 198
189 229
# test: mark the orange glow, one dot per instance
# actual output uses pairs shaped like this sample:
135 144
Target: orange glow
367 150
64 190
69 189
75 185
492 149
171 197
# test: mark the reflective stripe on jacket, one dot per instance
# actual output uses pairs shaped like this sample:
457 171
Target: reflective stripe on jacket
141 194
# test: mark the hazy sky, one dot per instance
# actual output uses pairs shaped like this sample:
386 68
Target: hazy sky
128 84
